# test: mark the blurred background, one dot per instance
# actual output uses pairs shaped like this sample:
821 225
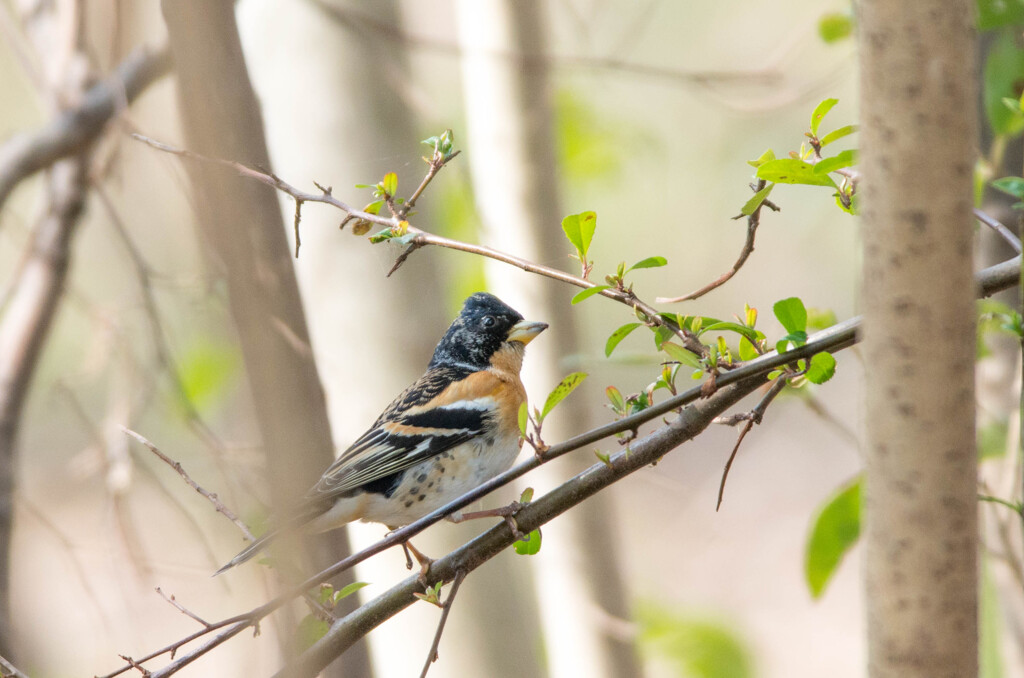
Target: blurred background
644 112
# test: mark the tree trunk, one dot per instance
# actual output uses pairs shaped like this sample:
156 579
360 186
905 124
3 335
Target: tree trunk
919 139
515 180
242 225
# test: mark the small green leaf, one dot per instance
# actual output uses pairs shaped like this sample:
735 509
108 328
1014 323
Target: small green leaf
382 235
742 330
747 350
795 338
524 417
530 545
822 368
692 646
835 27
820 111
605 457
680 354
755 201
579 229
765 157
999 13
310 630
1001 77
792 314
661 335
992 440
835 530
390 184
527 496
349 589
649 262
617 336
1010 185
837 134
589 292
564 388
793 171
842 160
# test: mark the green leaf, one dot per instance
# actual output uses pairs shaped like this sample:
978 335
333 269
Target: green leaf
693 647
795 338
992 440
616 399
793 171
742 330
618 335
579 229
747 350
792 314
527 496
680 354
835 27
390 183
837 134
834 531
999 13
765 157
564 388
649 262
661 335
310 630
1001 78
349 589
755 201
822 368
205 371
820 111
589 292
842 160
1011 185
382 235
530 546
524 417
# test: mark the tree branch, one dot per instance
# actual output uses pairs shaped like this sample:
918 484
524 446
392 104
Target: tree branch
70 132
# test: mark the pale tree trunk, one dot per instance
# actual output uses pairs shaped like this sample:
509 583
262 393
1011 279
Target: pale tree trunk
919 139
244 233
511 153
336 103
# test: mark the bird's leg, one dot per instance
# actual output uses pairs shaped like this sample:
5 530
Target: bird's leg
507 512
424 561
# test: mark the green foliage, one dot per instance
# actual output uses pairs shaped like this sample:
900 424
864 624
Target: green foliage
992 440
835 27
589 292
524 417
1002 77
1013 186
994 14
442 144
755 201
990 655
821 368
579 229
310 630
793 171
432 595
834 531
694 647
569 384
819 113
617 336
649 262
530 546
206 370
588 148
793 316
995 317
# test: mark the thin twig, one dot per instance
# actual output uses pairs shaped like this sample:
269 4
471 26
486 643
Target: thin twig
181 608
221 508
753 221
1009 236
432 655
9 670
752 417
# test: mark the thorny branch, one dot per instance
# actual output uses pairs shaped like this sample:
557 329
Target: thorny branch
750 418
745 378
624 295
753 221
211 497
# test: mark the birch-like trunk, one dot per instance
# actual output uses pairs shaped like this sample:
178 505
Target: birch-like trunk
919 141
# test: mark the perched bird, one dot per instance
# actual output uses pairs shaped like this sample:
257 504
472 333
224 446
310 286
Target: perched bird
453 429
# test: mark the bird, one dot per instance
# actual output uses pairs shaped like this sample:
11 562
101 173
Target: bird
454 428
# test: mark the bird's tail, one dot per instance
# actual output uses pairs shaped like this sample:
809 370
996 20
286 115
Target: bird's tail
250 551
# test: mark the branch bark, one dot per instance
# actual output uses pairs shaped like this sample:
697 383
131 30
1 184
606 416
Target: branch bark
919 139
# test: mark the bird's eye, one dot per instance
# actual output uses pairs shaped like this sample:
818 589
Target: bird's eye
488 321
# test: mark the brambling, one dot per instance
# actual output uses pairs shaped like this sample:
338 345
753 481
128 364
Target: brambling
453 429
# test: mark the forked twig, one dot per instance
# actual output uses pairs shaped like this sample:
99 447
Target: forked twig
445 609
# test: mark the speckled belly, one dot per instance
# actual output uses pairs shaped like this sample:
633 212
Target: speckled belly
429 486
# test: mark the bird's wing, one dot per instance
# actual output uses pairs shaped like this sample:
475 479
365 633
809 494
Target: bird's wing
444 408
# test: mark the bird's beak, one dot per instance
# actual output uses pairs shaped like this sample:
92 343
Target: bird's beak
524 331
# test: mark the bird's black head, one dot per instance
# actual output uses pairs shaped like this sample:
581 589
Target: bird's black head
485 324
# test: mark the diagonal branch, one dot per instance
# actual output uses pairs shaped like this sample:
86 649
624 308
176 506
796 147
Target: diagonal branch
73 130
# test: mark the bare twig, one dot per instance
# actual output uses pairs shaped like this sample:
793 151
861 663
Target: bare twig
1006 234
753 221
446 608
9 670
221 508
181 608
752 417
75 129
